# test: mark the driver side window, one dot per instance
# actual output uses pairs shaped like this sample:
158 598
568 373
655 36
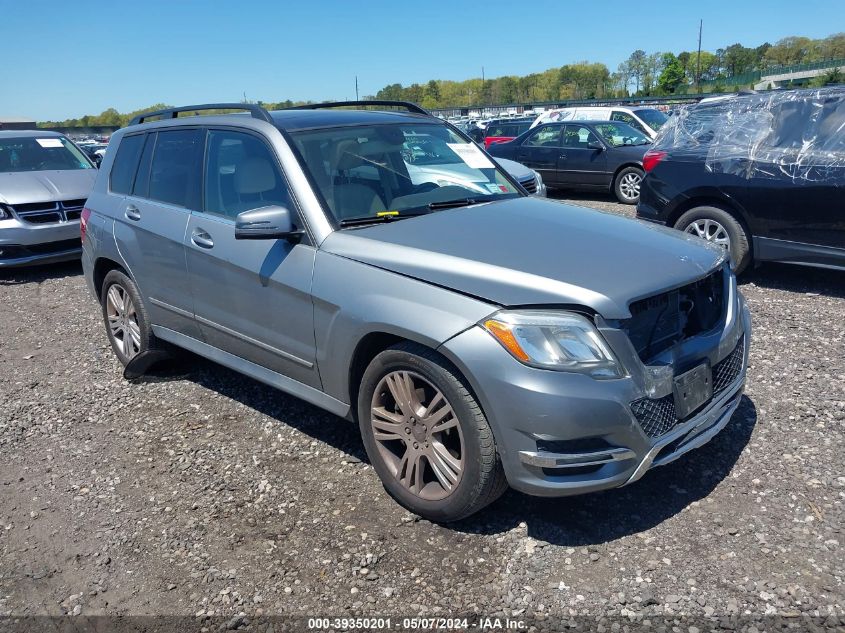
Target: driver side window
241 174
546 136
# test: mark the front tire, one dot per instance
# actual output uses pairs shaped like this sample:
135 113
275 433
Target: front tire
125 317
426 435
626 185
720 227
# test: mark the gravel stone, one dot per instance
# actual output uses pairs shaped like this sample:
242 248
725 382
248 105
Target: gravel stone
199 492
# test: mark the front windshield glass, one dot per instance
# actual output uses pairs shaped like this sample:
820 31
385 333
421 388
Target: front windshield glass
618 134
31 153
653 118
398 169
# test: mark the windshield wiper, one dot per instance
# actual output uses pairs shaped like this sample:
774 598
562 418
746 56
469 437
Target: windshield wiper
377 219
451 204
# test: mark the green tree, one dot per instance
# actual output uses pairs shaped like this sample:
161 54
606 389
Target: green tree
672 75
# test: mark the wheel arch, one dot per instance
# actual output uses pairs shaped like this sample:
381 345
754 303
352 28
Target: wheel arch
374 343
102 267
624 166
713 200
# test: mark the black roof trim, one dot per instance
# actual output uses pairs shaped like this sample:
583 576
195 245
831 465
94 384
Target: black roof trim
410 107
255 110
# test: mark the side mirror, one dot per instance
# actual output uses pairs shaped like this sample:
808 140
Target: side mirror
266 223
596 146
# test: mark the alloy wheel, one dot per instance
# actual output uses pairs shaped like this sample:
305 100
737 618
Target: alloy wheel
630 185
417 434
123 320
711 231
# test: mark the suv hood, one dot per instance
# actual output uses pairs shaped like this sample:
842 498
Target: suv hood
529 251
24 187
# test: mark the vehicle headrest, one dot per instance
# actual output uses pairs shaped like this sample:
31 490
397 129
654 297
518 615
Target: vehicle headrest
254 175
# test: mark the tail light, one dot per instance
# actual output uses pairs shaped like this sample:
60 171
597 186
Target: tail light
83 222
651 158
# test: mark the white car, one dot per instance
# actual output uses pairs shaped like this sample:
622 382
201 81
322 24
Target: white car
646 120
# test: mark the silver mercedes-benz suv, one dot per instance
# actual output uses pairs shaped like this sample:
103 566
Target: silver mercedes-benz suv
479 337
44 181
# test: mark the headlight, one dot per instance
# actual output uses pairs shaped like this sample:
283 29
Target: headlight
554 340
539 180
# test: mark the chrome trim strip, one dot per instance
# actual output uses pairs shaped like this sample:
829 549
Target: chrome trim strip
542 459
257 343
262 374
167 306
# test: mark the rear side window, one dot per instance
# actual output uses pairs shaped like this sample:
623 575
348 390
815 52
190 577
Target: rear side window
175 169
126 163
544 137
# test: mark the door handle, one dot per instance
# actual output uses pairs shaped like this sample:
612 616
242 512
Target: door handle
132 213
561 156
202 239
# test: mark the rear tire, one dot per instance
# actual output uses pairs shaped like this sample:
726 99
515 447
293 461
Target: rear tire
718 226
626 185
125 317
442 475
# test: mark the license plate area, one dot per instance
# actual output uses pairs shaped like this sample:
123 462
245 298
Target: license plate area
692 389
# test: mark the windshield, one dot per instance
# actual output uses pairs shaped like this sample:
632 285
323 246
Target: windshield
653 118
30 153
398 169
618 134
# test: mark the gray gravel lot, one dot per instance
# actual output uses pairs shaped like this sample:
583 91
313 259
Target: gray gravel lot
203 493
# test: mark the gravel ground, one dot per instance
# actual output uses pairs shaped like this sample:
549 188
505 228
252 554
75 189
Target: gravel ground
201 493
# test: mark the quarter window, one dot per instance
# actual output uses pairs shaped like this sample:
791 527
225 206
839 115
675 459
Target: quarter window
174 174
241 174
126 163
548 136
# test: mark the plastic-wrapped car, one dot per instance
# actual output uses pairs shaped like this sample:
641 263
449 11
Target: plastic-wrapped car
761 175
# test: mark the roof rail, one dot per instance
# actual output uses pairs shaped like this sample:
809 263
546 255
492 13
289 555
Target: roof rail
410 107
255 110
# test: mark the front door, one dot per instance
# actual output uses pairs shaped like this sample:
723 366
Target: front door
252 297
582 160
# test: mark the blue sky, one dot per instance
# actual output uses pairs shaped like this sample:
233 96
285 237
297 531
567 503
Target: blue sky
62 59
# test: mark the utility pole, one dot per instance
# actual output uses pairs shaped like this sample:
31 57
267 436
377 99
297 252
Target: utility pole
698 60
483 103
356 88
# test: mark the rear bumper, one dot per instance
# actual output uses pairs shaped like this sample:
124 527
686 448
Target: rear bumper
23 244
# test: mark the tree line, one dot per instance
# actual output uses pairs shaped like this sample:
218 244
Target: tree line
641 74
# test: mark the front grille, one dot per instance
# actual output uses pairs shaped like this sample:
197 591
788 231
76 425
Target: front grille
658 416
49 212
530 185
727 370
49 248
659 322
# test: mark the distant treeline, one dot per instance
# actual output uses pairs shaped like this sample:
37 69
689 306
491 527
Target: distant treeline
642 74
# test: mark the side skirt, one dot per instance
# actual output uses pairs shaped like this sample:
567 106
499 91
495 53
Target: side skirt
262 374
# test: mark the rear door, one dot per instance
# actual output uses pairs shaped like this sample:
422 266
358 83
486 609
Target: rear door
252 297
540 150
159 174
579 164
